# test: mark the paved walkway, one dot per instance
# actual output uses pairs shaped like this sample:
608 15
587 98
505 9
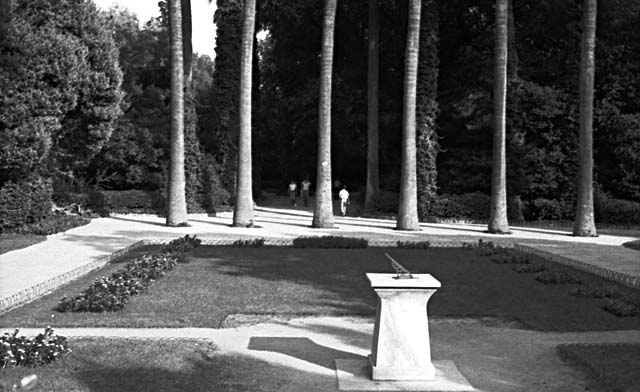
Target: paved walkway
79 248
298 355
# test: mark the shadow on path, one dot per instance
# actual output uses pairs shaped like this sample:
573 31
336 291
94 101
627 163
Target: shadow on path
301 348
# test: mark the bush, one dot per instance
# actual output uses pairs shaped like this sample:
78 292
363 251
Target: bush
548 209
253 243
616 211
22 351
623 307
555 277
596 291
508 257
24 202
181 247
529 268
414 244
468 206
55 224
127 201
330 242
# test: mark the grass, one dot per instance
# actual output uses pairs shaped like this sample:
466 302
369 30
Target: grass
292 282
620 375
9 242
107 364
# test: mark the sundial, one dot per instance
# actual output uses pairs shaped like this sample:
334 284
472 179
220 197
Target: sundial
401 272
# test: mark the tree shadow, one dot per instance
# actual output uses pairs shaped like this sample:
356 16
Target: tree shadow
304 349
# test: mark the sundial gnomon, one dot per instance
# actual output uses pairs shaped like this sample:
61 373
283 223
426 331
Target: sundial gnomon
401 272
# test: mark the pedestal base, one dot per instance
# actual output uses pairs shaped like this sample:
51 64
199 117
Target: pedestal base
402 373
354 375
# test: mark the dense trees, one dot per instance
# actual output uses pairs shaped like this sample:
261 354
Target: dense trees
93 107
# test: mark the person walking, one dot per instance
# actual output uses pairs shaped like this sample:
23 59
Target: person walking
344 199
306 185
293 191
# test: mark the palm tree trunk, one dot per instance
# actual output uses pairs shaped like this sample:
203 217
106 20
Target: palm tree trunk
498 214
584 225
323 213
408 208
373 184
243 211
177 204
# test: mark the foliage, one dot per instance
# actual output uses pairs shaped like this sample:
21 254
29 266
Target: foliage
109 294
413 244
555 277
611 210
546 209
252 243
623 306
596 291
181 247
529 268
127 201
24 202
330 242
56 223
41 350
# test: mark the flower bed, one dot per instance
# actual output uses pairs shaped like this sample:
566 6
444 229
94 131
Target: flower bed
109 294
22 351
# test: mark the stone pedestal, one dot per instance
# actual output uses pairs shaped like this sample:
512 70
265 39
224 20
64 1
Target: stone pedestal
401 350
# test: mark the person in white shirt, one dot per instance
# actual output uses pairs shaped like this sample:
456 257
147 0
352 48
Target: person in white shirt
344 199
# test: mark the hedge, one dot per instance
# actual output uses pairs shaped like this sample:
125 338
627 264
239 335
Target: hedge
127 201
24 202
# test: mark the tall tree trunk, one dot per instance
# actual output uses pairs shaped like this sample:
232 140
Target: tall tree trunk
584 225
323 213
427 108
243 211
498 215
408 208
177 204
373 184
187 42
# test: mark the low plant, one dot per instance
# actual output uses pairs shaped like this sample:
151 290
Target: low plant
506 256
555 277
54 224
529 268
252 243
414 244
596 291
625 306
181 247
22 351
329 242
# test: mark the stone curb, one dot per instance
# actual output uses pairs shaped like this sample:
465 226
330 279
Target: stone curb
27 295
619 277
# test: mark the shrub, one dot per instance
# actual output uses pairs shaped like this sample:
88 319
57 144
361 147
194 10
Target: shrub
414 244
596 291
468 206
253 243
330 242
127 201
508 257
529 268
623 307
555 277
24 202
55 224
22 351
609 210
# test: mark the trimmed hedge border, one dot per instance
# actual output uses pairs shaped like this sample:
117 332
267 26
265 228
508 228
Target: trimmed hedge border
32 293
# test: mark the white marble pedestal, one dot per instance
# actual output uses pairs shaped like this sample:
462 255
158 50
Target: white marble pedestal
401 349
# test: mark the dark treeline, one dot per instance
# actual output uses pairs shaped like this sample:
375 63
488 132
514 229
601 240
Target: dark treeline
87 106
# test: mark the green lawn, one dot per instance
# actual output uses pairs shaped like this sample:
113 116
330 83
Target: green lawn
118 365
613 367
297 282
9 242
